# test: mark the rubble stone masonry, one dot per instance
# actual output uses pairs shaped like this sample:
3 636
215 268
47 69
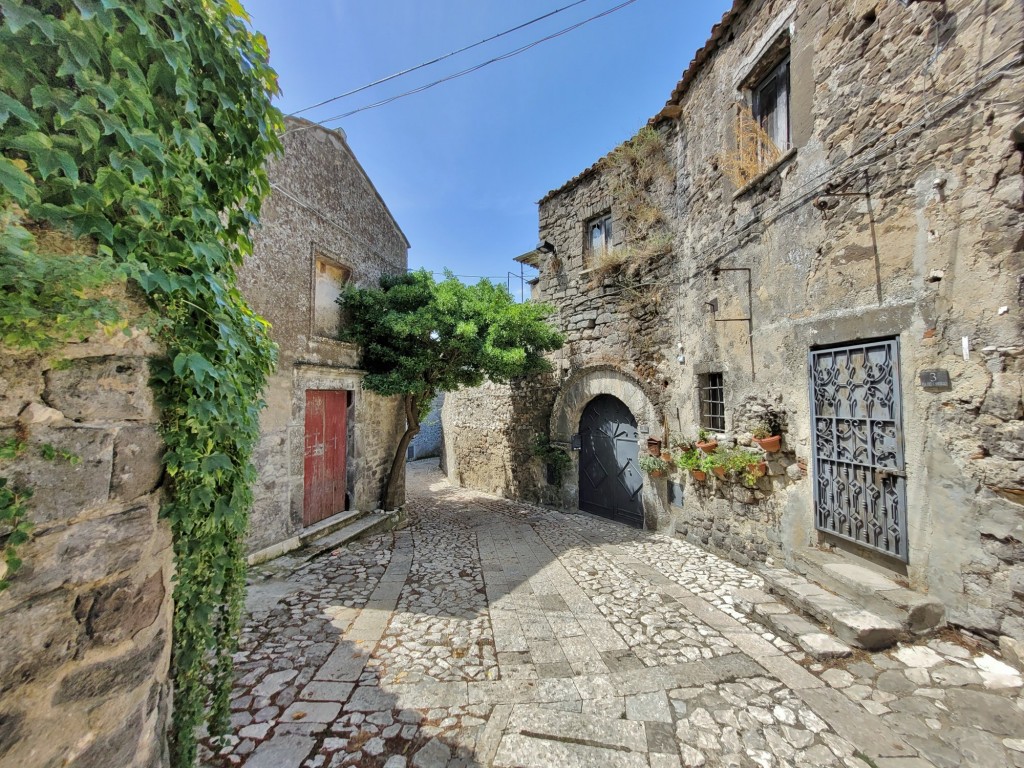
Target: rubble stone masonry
896 213
85 627
321 207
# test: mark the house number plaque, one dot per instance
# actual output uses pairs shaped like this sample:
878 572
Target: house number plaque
936 378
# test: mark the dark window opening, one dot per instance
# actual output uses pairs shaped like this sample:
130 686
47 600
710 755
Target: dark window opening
770 105
599 235
712 402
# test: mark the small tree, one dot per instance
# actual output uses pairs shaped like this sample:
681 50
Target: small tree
419 337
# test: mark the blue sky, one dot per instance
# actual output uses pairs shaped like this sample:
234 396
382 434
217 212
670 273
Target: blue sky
462 165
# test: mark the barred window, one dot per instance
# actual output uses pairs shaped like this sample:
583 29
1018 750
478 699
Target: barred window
712 401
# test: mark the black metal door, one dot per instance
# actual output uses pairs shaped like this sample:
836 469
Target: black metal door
859 479
610 480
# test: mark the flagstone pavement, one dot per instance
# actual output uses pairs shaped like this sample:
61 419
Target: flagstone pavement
495 633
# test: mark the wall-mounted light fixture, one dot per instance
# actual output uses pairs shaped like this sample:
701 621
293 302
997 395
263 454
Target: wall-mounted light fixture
545 247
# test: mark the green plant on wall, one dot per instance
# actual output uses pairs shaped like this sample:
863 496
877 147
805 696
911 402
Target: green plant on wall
138 129
552 456
634 169
654 465
738 462
15 527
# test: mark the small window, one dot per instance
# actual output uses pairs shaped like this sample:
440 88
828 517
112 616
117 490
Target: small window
712 401
770 105
599 235
328 281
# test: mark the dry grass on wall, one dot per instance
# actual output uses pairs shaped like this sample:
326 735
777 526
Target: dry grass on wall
754 151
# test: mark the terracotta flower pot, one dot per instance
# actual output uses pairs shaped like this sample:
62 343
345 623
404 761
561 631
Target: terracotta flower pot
698 475
719 472
769 444
759 469
709 446
656 473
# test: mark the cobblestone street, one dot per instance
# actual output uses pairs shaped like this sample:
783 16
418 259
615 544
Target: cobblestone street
489 632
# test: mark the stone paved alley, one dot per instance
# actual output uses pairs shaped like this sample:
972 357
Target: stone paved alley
489 632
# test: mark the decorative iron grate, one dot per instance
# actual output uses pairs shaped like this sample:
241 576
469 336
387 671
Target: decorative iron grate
859 478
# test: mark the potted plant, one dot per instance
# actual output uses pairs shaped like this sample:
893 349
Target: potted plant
767 432
737 461
655 466
754 472
706 441
696 462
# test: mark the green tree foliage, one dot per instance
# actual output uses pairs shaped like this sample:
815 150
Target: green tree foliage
419 337
142 126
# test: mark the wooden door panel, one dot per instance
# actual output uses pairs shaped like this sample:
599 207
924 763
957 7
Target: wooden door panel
325 453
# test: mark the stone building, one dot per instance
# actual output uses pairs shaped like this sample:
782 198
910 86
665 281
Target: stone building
823 224
427 442
327 445
85 626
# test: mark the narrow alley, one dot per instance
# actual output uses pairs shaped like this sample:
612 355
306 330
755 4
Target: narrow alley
490 632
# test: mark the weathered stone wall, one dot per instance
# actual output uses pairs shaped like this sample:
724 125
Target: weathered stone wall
427 442
897 213
929 255
489 433
321 204
85 627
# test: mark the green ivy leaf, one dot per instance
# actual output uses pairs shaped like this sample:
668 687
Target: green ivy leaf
15 181
33 141
11 106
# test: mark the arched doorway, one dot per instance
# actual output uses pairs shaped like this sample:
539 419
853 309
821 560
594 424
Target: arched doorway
610 479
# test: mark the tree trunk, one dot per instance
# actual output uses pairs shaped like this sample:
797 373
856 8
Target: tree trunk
393 489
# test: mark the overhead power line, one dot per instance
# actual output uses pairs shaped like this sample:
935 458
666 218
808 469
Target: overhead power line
468 70
436 60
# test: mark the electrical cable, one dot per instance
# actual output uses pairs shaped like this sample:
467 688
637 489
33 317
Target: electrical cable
436 60
817 182
463 72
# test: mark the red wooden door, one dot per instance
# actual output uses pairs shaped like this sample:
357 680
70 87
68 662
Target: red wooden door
324 474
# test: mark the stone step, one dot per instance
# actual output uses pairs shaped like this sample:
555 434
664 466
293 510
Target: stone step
874 591
330 525
777 617
849 621
359 525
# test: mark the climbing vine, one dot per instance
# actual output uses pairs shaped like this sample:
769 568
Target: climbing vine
551 456
142 127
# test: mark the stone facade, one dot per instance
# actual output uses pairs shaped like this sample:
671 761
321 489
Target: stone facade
322 225
427 442
488 436
86 622
895 214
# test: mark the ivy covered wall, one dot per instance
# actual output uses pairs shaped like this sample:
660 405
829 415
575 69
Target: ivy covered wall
139 131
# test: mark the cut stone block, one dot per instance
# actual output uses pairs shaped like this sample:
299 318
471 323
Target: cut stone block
822 646
864 629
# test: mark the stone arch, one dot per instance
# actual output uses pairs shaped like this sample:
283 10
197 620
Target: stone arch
586 384
578 390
